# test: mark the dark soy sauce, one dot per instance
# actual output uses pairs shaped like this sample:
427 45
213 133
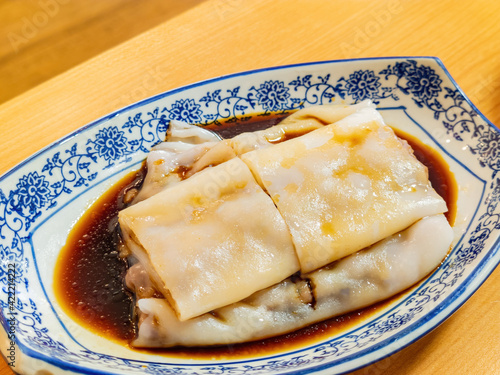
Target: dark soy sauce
89 273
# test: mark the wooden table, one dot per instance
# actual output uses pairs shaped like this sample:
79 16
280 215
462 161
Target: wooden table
225 36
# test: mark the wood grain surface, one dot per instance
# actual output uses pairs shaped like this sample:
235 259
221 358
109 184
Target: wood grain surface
41 38
218 37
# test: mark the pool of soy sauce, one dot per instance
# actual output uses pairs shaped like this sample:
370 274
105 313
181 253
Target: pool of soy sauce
89 272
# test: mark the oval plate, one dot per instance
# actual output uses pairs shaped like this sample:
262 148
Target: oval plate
42 198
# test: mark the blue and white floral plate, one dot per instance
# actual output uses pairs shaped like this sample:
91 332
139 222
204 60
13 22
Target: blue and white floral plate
41 199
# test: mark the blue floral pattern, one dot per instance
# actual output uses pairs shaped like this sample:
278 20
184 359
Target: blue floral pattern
363 84
110 144
424 83
421 82
273 96
33 192
71 169
185 110
147 130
